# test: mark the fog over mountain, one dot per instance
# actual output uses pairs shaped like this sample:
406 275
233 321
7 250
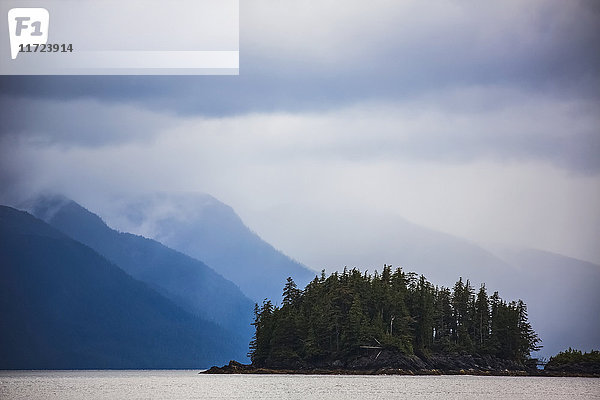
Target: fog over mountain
187 282
477 121
561 292
562 295
203 227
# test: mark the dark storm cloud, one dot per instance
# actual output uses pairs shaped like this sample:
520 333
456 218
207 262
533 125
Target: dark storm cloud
552 47
76 122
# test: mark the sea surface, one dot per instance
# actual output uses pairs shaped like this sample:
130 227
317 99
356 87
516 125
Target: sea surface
187 384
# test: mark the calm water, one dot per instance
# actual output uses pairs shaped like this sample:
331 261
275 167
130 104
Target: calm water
90 385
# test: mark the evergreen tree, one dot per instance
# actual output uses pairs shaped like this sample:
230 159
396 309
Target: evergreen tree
260 346
291 293
527 338
334 316
354 331
481 320
443 321
423 316
461 303
400 320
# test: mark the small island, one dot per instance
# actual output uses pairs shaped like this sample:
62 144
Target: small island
574 363
391 323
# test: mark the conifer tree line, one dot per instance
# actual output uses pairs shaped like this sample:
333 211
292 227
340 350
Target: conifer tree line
341 315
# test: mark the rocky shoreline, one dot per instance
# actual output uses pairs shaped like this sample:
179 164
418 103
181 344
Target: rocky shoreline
398 364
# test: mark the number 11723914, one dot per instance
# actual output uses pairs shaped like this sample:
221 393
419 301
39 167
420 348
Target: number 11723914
46 48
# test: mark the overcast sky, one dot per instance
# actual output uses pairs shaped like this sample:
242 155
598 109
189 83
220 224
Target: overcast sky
479 119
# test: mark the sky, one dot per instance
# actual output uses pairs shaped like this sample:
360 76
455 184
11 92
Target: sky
478 119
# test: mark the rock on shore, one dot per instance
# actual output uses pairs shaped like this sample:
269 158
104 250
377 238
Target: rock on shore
387 362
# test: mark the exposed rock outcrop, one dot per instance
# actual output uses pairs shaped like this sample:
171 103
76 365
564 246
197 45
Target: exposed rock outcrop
388 362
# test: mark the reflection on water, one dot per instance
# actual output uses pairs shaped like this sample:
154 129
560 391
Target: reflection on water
158 384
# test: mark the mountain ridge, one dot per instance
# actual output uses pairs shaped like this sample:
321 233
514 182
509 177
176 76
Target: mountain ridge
207 229
188 282
539 281
64 306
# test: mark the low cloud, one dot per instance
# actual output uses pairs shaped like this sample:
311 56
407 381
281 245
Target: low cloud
479 119
519 128
522 169
82 122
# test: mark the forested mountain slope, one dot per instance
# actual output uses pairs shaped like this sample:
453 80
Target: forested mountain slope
205 228
64 306
186 281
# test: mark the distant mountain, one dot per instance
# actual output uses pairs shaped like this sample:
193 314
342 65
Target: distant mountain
563 296
189 283
369 240
562 293
203 227
63 306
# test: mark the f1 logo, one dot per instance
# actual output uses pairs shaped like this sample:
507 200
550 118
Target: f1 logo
27 26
